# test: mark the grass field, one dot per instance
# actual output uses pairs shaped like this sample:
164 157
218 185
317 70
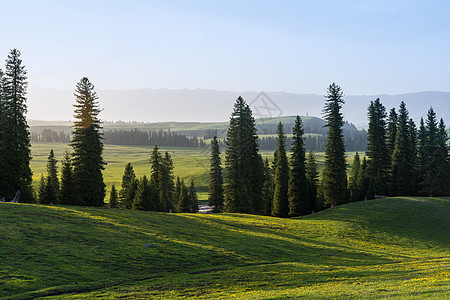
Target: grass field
189 163
388 248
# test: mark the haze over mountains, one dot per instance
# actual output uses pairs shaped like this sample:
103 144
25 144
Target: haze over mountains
202 105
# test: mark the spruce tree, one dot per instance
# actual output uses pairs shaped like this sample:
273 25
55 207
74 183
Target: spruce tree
87 144
167 185
354 181
391 132
42 191
281 178
334 173
113 197
299 203
52 182
216 197
67 194
401 171
126 194
413 154
15 148
176 195
146 196
184 204
243 164
312 177
422 159
443 157
267 191
377 152
193 198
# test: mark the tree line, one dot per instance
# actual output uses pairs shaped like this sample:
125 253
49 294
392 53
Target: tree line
400 160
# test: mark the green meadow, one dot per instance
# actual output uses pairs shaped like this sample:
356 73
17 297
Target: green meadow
387 248
189 163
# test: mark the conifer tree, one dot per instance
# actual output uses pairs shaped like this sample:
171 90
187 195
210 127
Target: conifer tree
391 132
15 148
267 190
176 195
401 171
354 181
193 198
299 203
67 195
413 154
422 159
126 194
146 196
244 165
334 173
167 187
87 159
281 178
113 197
52 182
42 191
312 177
443 157
216 197
184 204
378 162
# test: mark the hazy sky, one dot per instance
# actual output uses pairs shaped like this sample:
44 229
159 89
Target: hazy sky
368 47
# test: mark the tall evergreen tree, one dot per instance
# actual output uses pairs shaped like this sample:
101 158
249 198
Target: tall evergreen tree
184 204
299 203
216 197
244 165
193 198
443 157
52 182
267 190
281 178
113 197
67 194
42 191
391 132
167 187
377 152
422 159
126 194
146 196
334 173
15 148
176 195
312 177
412 129
87 144
354 182
401 172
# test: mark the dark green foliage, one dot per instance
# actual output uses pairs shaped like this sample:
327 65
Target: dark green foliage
184 203
267 191
391 132
113 197
422 159
299 202
193 198
365 181
167 187
433 155
378 161
15 153
67 193
401 168
162 176
126 194
244 166
51 194
216 197
334 173
413 161
146 196
87 159
42 191
312 177
176 195
281 178
355 188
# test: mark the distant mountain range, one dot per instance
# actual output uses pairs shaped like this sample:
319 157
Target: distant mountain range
201 105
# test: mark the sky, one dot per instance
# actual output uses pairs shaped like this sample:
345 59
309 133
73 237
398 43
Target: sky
367 47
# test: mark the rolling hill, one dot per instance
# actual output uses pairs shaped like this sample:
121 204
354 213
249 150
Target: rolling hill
393 247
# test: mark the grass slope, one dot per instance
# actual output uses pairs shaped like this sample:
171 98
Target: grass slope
394 247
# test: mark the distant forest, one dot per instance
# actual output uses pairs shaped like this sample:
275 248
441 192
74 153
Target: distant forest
355 140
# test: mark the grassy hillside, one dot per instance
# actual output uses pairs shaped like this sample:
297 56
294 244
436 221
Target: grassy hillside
395 247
